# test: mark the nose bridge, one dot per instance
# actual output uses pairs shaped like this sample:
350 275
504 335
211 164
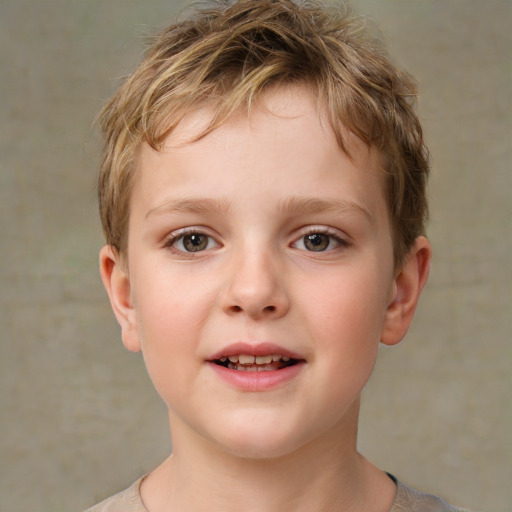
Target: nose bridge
256 286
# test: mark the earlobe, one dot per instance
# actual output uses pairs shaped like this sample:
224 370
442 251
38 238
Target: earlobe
116 280
407 288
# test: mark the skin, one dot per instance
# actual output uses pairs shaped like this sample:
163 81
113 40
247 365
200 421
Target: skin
252 190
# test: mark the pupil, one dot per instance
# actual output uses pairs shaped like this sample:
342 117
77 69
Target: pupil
316 242
194 243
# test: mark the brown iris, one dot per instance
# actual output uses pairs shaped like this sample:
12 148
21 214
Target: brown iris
316 242
195 242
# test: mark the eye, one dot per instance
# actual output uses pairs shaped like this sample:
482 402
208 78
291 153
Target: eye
193 241
318 241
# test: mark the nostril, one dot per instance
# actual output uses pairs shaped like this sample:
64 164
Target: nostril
239 309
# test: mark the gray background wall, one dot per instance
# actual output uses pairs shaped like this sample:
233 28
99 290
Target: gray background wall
79 419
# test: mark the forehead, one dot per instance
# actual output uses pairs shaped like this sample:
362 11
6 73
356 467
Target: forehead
286 127
296 102
275 103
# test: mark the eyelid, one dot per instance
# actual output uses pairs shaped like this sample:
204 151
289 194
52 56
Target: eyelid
334 233
178 234
319 228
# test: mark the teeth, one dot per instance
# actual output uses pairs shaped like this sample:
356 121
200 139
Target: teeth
245 359
263 359
254 368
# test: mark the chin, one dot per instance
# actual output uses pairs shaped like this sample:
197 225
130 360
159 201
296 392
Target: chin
259 451
259 441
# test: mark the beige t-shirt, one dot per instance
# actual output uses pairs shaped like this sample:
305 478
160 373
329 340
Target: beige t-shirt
406 500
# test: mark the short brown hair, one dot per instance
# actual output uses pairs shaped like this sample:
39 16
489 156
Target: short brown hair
226 55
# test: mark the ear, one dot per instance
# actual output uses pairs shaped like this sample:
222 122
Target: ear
116 280
407 287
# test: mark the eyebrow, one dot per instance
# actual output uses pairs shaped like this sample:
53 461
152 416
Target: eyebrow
199 205
292 206
296 205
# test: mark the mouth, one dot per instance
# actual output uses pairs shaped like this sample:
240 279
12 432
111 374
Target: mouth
256 367
262 357
251 363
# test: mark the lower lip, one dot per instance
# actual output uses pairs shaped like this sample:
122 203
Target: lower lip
257 381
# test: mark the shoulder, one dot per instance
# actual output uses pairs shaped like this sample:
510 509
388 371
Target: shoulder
128 500
410 500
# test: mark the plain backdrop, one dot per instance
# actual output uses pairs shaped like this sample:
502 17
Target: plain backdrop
79 418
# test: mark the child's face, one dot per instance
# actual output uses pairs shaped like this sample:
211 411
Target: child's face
262 239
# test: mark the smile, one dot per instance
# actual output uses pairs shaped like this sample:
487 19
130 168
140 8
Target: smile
256 367
250 363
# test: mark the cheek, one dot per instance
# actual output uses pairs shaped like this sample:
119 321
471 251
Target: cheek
170 322
173 307
345 318
345 305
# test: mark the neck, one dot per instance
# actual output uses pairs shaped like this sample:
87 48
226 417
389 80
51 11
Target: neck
325 475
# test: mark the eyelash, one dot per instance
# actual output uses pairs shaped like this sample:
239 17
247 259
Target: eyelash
171 242
320 230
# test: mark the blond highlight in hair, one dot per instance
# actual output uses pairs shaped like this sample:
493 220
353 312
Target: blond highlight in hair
227 55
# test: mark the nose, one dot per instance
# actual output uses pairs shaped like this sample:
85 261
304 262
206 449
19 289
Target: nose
256 288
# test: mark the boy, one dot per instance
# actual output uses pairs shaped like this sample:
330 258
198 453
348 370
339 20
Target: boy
262 192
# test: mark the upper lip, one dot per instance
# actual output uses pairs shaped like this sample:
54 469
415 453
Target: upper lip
258 349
